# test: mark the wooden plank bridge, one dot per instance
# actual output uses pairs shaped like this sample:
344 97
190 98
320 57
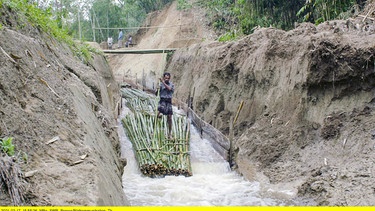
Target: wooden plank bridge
139 51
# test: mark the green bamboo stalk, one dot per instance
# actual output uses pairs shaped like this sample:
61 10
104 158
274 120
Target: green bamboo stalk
156 154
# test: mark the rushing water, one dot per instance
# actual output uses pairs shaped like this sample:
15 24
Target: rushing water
212 184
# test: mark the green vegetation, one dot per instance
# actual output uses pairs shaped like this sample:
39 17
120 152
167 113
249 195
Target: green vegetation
318 11
99 19
96 20
7 146
223 13
45 20
235 18
169 55
24 156
183 5
232 35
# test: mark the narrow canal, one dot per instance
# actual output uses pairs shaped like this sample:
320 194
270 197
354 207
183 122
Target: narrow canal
213 182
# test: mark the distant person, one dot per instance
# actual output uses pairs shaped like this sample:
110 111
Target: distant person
165 104
120 37
110 42
129 42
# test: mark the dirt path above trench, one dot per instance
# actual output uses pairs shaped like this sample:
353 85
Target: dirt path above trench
169 28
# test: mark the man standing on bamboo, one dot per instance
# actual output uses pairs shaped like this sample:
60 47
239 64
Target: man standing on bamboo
165 103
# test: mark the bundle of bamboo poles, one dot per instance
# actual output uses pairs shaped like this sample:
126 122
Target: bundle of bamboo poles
156 153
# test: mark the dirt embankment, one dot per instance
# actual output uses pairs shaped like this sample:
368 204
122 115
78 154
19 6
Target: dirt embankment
308 117
169 28
60 112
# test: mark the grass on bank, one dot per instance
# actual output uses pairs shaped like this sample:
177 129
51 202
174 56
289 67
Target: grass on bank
29 13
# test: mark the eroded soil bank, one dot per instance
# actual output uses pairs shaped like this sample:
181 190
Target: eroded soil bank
61 113
308 117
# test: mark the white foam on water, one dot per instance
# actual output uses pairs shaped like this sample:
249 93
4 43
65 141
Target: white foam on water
213 182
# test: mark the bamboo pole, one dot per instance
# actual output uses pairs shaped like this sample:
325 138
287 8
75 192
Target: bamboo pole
238 112
156 154
231 136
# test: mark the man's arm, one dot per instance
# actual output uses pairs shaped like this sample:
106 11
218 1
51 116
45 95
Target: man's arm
169 87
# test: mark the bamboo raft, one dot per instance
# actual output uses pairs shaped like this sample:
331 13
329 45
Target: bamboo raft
157 154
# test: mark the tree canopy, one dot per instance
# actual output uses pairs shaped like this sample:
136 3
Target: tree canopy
96 20
242 16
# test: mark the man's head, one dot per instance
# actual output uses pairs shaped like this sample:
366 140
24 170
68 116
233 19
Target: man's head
166 77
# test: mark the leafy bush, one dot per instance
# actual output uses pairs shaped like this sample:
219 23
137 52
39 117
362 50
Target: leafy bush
232 35
7 146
